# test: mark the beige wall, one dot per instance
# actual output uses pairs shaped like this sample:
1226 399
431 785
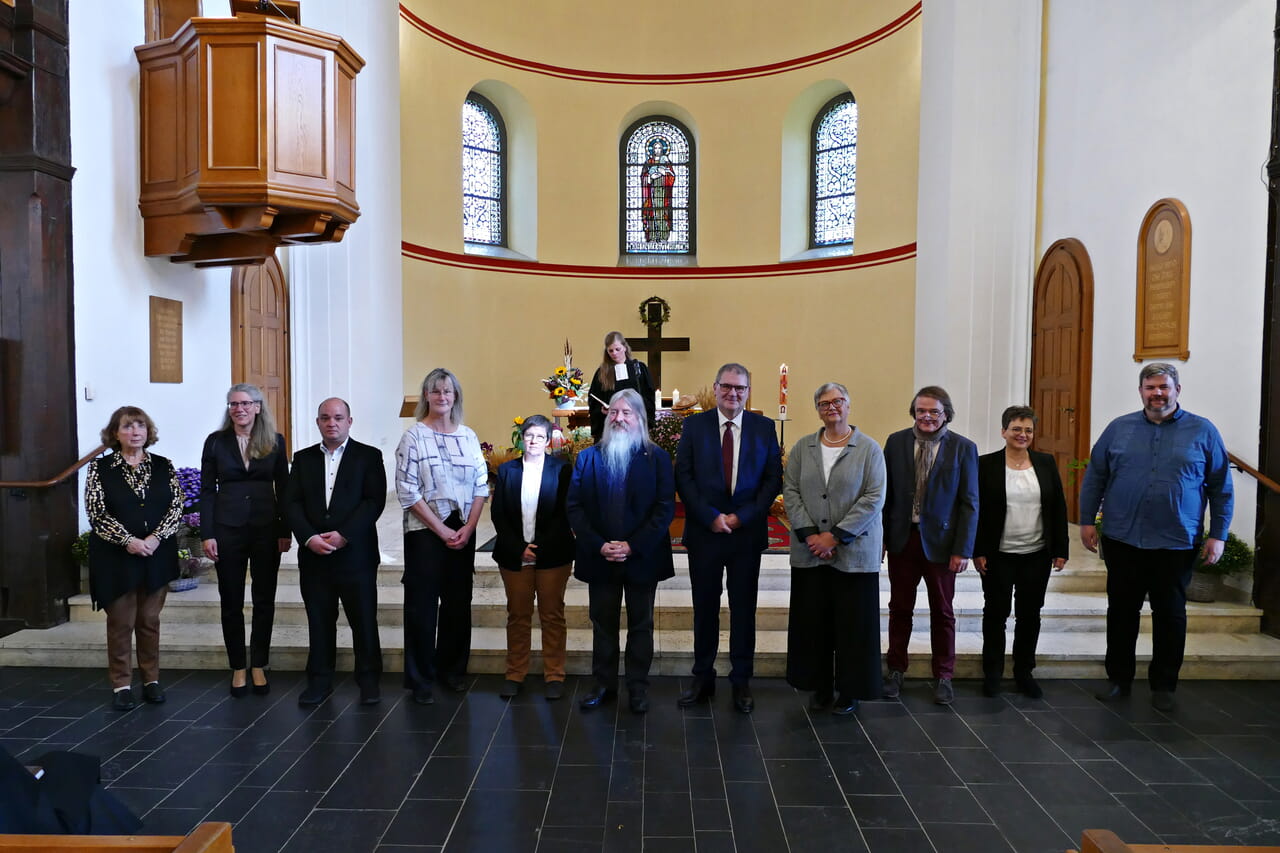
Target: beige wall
502 332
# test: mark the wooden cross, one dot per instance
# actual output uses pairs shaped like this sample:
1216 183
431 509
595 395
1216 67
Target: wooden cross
654 344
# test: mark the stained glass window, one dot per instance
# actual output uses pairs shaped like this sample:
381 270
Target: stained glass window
657 188
835 155
483 173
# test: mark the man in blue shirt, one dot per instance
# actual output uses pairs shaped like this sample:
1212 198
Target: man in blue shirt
1152 473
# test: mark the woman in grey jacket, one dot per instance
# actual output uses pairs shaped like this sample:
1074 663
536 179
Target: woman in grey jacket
834 490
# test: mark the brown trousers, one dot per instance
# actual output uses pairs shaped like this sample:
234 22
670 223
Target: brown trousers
548 585
134 613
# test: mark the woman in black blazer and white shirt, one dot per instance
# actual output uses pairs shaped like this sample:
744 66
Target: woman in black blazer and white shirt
534 550
243 475
1022 532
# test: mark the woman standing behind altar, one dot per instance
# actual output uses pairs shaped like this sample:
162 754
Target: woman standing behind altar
618 370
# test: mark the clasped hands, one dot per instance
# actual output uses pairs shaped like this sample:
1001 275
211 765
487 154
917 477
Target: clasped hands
326 543
143 547
821 545
615 552
725 523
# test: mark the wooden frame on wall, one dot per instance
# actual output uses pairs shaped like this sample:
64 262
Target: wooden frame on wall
1163 319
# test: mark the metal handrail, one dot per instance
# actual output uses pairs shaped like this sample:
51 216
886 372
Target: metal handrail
53 481
1246 468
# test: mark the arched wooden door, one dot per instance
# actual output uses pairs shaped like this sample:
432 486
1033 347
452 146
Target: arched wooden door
260 335
1062 360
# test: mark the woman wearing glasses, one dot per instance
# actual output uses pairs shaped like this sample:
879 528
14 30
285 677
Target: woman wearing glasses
834 490
1022 532
534 551
243 474
442 482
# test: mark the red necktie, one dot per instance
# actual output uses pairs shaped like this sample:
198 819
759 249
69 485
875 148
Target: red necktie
726 455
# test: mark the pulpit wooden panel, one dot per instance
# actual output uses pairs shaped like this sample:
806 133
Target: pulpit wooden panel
248 140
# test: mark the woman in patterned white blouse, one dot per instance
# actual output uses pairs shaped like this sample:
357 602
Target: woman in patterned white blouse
442 482
134 505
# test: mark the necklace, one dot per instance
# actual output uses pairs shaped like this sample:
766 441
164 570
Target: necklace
836 442
1019 465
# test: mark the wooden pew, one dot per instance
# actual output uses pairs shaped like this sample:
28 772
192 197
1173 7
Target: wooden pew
205 838
1105 841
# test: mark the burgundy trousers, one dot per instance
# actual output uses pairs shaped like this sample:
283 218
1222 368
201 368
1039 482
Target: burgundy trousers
906 570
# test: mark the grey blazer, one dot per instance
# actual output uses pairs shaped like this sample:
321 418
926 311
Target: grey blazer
848 505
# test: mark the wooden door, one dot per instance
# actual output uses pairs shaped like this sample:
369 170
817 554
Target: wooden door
260 336
1062 360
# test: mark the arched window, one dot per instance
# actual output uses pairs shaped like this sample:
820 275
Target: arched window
484 173
657 188
834 164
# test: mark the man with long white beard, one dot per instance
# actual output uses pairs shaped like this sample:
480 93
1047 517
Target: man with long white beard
621 502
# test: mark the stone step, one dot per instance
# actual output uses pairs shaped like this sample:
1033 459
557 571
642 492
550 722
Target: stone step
775 573
673 610
1072 654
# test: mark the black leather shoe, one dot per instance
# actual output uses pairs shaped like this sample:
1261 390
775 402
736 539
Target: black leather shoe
423 696
122 700
742 700
1114 692
596 697
1029 687
456 683
370 695
554 690
153 693
510 689
314 696
1162 700
639 702
700 691
238 692
820 701
991 687
844 706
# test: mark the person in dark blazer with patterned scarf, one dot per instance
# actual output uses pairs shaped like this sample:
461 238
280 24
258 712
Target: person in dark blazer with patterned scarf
243 475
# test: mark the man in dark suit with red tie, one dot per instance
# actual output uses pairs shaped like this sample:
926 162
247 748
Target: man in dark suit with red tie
337 490
728 472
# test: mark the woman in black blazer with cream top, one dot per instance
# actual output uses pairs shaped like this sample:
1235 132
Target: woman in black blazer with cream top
534 550
243 476
1022 533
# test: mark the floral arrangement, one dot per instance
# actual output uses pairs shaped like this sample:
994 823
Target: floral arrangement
189 481
666 431
565 385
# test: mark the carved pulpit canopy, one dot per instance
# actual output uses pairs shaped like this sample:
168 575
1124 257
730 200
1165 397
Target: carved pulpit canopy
248 140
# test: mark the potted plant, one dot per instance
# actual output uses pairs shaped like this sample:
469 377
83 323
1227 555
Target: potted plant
190 568
1206 581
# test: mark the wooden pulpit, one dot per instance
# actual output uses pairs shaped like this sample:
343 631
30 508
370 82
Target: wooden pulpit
248 139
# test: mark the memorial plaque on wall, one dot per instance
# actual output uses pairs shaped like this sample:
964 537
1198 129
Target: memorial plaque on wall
166 340
1164 283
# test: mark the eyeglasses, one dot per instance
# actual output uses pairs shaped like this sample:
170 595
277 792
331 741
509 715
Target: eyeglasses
733 389
831 404
929 413
1022 430
241 404
530 437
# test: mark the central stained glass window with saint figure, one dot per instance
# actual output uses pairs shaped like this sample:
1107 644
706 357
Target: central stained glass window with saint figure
657 177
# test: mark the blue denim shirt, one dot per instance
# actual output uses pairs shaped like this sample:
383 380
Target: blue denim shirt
1153 481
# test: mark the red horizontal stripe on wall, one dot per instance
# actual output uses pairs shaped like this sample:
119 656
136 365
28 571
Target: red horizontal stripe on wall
668 79
823 265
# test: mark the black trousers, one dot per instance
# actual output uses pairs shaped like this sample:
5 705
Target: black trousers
723 560
437 607
833 632
1162 576
605 608
322 590
241 550
1016 581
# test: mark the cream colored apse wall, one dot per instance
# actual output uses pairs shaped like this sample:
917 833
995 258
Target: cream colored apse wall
743 86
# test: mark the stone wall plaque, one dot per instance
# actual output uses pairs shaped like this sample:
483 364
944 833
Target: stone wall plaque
166 340
1164 283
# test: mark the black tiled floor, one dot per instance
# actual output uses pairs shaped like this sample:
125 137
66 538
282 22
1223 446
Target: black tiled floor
473 772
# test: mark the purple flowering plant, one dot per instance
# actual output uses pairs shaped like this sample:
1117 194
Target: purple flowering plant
189 481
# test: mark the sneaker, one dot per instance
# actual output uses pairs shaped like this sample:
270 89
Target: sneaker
893 684
944 694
